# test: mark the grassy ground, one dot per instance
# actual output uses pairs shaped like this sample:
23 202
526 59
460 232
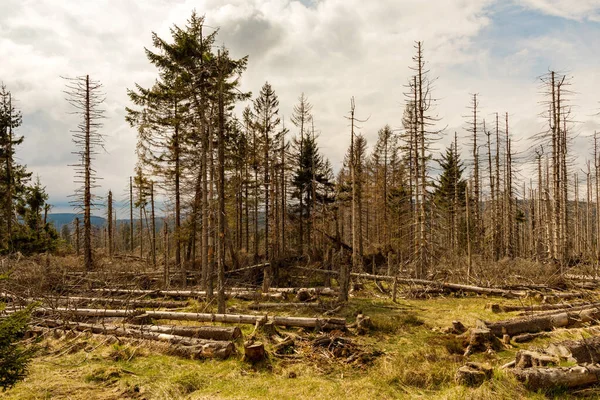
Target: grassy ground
418 361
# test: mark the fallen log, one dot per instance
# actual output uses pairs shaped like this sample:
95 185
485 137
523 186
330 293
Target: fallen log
201 347
87 312
301 322
319 291
581 351
257 266
540 323
534 308
445 285
114 301
582 307
564 377
244 295
198 332
262 306
528 337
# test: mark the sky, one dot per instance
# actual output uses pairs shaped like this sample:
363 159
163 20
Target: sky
330 50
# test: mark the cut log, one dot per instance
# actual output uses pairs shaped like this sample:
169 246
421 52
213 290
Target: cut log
241 294
529 359
120 302
473 374
87 312
581 351
198 332
203 348
540 323
205 317
528 337
568 309
532 308
262 306
320 291
564 377
303 322
545 322
444 285
554 297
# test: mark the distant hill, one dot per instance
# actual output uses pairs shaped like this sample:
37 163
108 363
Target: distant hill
60 219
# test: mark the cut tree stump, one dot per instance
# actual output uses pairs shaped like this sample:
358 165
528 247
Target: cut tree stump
254 352
481 340
457 328
564 377
531 359
473 374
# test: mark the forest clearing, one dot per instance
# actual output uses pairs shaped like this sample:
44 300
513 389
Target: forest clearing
115 335
211 242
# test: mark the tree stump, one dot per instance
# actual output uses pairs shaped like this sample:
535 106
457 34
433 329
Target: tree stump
303 295
363 324
254 352
529 359
481 340
473 374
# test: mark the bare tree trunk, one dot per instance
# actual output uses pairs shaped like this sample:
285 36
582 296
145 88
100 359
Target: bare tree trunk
109 215
131 214
221 189
153 216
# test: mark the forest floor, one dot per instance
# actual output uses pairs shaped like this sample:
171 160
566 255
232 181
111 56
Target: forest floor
411 358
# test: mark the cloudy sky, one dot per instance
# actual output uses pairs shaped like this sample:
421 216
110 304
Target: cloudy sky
328 49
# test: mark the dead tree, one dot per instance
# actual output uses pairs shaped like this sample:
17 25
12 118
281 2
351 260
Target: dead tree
86 97
109 217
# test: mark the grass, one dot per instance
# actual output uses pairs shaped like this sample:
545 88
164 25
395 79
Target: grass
418 361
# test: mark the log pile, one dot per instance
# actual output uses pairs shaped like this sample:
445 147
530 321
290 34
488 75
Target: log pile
537 369
190 347
545 321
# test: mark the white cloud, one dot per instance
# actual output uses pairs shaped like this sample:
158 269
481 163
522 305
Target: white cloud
331 50
571 9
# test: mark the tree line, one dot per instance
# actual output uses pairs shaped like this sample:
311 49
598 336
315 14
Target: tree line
252 187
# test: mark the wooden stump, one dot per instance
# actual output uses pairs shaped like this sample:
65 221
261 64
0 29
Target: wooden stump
480 340
473 374
457 328
303 295
254 352
531 359
363 324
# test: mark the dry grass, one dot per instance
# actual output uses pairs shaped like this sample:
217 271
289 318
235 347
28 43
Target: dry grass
418 361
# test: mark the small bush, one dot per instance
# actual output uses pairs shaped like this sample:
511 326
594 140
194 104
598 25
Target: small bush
14 359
